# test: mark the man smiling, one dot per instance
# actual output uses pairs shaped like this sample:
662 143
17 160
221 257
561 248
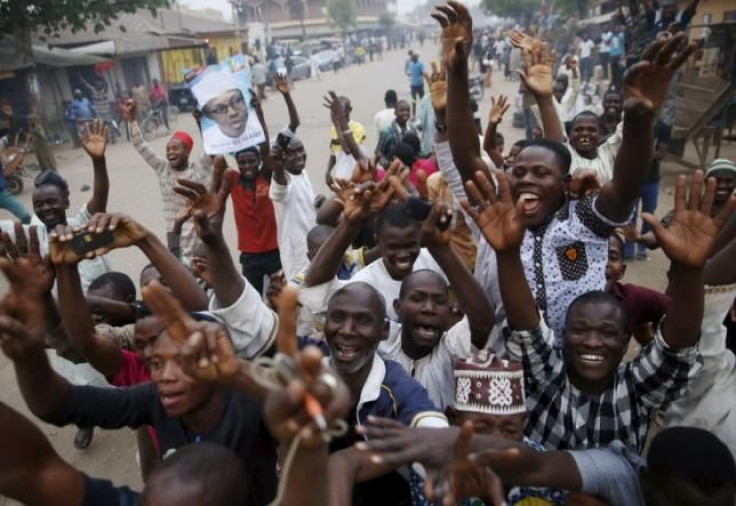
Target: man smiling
583 396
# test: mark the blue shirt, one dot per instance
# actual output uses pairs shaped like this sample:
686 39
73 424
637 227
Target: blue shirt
82 109
617 45
415 70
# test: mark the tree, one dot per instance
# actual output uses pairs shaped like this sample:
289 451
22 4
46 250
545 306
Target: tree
21 18
342 13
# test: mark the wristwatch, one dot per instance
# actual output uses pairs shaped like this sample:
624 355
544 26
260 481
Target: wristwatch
441 128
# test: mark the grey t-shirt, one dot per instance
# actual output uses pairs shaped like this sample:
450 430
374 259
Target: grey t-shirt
611 473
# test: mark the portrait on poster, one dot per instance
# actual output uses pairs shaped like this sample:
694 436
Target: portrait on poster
229 122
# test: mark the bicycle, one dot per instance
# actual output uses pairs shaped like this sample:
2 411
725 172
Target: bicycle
155 120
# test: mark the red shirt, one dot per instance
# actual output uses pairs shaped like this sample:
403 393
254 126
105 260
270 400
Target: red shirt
642 305
254 215
132 371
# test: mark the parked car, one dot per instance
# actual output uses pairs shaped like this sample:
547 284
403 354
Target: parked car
302 68
327 59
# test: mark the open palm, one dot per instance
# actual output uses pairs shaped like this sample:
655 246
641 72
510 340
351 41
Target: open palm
94 139
456 23
498 218
690 236
437 84
647 82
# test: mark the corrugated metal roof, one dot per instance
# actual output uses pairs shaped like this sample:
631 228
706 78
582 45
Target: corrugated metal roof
129 27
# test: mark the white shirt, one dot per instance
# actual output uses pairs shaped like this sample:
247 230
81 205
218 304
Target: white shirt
606 153
435 371
295 217
586 47
375 274
251 323
383 119
708 402
344 164
605 45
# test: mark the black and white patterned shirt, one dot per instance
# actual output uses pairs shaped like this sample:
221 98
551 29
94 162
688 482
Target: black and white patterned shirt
562 417
563 259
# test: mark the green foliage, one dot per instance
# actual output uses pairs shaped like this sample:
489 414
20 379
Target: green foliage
342 13
51 16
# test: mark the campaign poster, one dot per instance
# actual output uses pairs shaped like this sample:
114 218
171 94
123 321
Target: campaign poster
229 122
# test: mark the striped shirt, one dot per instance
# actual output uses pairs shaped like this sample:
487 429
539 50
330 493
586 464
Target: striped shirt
199 171
563 417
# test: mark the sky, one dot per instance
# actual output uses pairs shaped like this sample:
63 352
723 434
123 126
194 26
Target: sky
404 5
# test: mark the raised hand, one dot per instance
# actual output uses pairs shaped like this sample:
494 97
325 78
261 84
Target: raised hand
356 203
500 220
646 82
312 396
337 111
582 183
457 30
205 347
94 139
208 207
364 171
523 41
436 231
281 82
537 74
689 238
498 109
130 110
437 84
23 265
126 232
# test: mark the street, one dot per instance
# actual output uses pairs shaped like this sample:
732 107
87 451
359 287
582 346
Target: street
134 190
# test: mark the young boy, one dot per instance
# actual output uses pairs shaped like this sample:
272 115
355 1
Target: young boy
643 307
400 248
583 396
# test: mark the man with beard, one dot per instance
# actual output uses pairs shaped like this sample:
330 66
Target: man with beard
176 165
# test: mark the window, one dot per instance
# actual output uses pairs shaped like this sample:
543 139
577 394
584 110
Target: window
729 16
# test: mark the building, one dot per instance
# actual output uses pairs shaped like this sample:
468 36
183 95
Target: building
143 46
295 18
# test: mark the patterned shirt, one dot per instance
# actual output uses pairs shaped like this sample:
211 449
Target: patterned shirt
562 417
563 259
199 171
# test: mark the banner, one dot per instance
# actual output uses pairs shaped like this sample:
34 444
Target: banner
229 123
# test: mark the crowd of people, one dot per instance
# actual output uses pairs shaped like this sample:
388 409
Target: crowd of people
451 325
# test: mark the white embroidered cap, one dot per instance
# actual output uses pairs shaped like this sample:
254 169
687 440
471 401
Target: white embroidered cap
213 83
486 384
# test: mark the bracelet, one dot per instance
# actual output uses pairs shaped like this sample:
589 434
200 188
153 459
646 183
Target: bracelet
440 127
347 131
